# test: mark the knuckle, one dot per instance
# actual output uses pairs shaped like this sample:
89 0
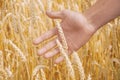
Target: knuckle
64 11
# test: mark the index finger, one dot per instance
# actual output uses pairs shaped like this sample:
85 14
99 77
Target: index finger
45 36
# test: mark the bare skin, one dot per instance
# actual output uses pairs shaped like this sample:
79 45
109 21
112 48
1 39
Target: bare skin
78 28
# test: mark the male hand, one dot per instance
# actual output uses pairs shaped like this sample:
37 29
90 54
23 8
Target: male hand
76 28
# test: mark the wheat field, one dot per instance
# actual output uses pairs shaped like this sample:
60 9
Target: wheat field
21 21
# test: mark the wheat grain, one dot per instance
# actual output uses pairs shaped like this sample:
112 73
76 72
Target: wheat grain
3 73
41 6
9 73
37 77
1 59
43 74
89 77
50 5
37 68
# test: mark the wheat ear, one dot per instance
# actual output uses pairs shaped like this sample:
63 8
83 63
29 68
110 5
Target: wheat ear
78 62
62 36
69 65
18 50
37 68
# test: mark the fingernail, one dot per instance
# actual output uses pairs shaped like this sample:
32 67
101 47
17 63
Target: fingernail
47 56
35 41
48 11
40 52
56 62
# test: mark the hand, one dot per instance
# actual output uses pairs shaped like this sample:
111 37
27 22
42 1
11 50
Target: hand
77 32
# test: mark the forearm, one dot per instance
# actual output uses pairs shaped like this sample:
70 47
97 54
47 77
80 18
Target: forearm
102 12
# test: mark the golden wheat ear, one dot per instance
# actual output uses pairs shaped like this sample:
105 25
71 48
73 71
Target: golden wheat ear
21 54
62 36
36 70
67 60
78 63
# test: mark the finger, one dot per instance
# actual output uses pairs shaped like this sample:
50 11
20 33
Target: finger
47 47
45 36
54 15
51 53
59 59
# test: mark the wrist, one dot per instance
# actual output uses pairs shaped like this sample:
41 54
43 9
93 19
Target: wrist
94 18
102 12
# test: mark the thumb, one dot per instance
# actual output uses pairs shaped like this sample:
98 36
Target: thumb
54 15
